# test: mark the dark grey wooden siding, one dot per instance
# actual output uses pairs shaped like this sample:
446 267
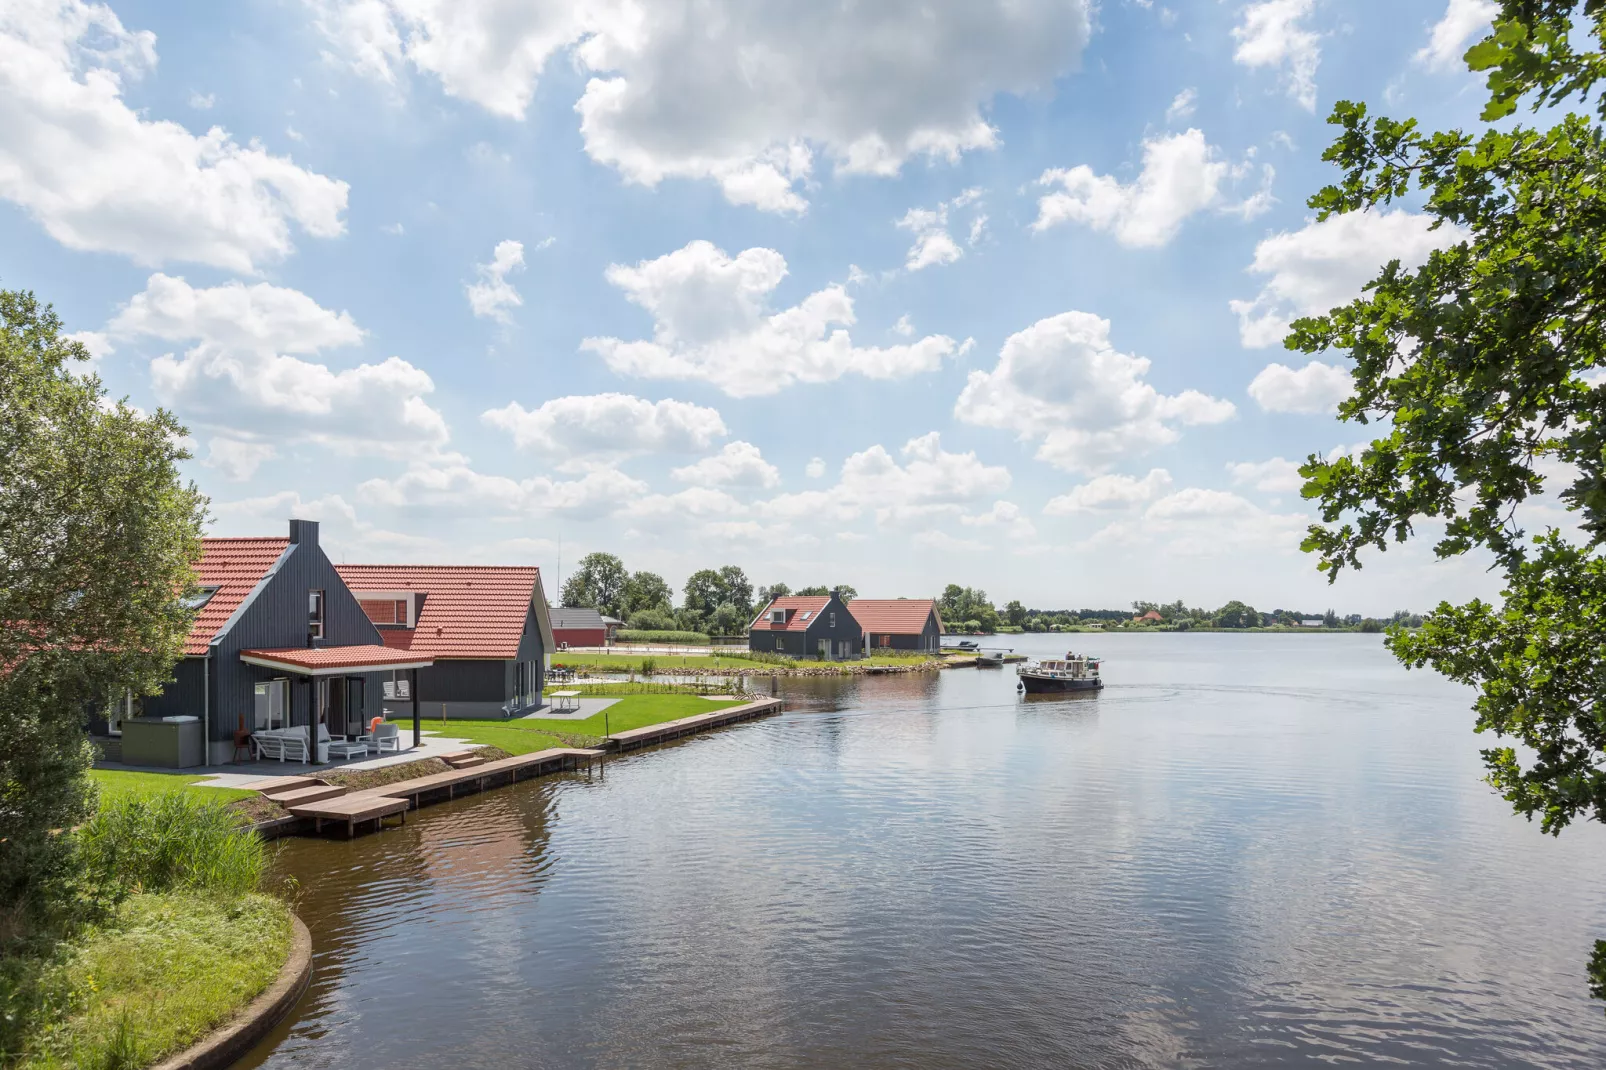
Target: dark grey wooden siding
276 619
807 643
461 680
930 638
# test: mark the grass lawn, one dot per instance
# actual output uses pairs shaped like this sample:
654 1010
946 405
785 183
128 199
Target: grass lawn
525 735
167 969
632 662
121 782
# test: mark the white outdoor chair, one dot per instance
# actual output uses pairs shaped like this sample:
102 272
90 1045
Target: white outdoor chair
340 746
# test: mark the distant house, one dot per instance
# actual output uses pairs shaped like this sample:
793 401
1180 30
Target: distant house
898 623
485 628
278 641
1151 617
1311 622
577 626
612 624
816 626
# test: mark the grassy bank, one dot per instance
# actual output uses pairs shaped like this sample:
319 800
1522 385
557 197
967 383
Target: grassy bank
163 971
669 663
526 735
171 939
116 782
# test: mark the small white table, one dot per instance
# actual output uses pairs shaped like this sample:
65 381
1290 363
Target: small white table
565 701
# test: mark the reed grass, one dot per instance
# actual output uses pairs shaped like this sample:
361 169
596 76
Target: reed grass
171 841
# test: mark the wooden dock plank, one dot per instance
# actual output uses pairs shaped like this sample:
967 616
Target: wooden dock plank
660 733
308 794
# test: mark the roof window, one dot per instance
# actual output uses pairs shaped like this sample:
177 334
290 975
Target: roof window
777 616
199 598
807 613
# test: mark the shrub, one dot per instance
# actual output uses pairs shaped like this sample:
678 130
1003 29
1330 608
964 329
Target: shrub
647 666
651 620
169 842
766 657
632 635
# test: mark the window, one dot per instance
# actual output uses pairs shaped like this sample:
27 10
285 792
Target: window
807 613
777 616
315 614
832 622
200 598
401 611
270 704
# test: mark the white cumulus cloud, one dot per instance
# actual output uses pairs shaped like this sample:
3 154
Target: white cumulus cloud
1315 388
493 296
739 464
1323 265
1182 175
1109 492
745 93
1448 40
712 322
449 482
1182 105
1195 522
1276 475
591 429
1272 34
933 244
243 380
1061 383
100 176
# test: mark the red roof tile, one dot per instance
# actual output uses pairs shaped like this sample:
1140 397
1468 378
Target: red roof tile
234 567
893 616
328 658
471 611
795 605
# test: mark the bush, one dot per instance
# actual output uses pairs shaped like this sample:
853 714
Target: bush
632 635
651 620
171 842
647 666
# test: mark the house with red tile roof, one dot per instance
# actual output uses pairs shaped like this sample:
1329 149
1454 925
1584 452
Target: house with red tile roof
898 623
807 626
578 626
277 641
486 629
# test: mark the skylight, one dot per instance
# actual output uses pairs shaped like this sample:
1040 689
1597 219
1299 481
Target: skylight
199 598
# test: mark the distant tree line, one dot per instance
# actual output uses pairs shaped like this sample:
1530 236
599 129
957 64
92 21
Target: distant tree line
716 601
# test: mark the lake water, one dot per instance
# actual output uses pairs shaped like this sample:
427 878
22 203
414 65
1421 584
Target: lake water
1248 851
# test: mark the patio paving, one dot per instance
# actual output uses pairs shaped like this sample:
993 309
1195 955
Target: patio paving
240 774
589 707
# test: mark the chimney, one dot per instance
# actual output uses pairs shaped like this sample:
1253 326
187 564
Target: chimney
304 531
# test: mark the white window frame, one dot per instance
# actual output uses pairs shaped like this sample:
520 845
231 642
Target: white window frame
316 624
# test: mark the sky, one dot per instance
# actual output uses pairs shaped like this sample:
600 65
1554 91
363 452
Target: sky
897 295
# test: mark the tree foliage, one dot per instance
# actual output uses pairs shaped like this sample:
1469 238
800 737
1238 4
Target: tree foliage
599 583
646 590
1484 368
98 540
708 589
843 591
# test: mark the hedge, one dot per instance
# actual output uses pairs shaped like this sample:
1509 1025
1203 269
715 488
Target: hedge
628 635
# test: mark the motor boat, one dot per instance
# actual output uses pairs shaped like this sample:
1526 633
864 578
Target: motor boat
1073 672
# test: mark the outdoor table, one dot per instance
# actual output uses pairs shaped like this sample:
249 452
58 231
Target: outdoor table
565 701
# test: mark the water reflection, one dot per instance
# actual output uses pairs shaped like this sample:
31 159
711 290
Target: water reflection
1240 853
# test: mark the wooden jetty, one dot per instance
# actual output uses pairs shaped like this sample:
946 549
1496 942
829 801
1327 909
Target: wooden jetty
310 799
637 738
375 804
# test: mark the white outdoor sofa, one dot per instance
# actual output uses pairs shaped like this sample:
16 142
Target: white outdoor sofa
281 743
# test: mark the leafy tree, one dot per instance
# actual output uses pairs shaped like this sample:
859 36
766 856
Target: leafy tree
656 619
846 593
1015 612
1237 615
778 590
737 589
728 619
98 540
646 590
598 584
704 591
1484 367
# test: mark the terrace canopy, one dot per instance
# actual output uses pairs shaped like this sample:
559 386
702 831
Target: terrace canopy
335 660
321 662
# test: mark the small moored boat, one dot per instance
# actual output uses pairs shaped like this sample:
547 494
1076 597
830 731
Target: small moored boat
990 659
1074 672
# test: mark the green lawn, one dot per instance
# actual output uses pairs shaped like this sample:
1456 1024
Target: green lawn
164 971
121 782
524 735
632 662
